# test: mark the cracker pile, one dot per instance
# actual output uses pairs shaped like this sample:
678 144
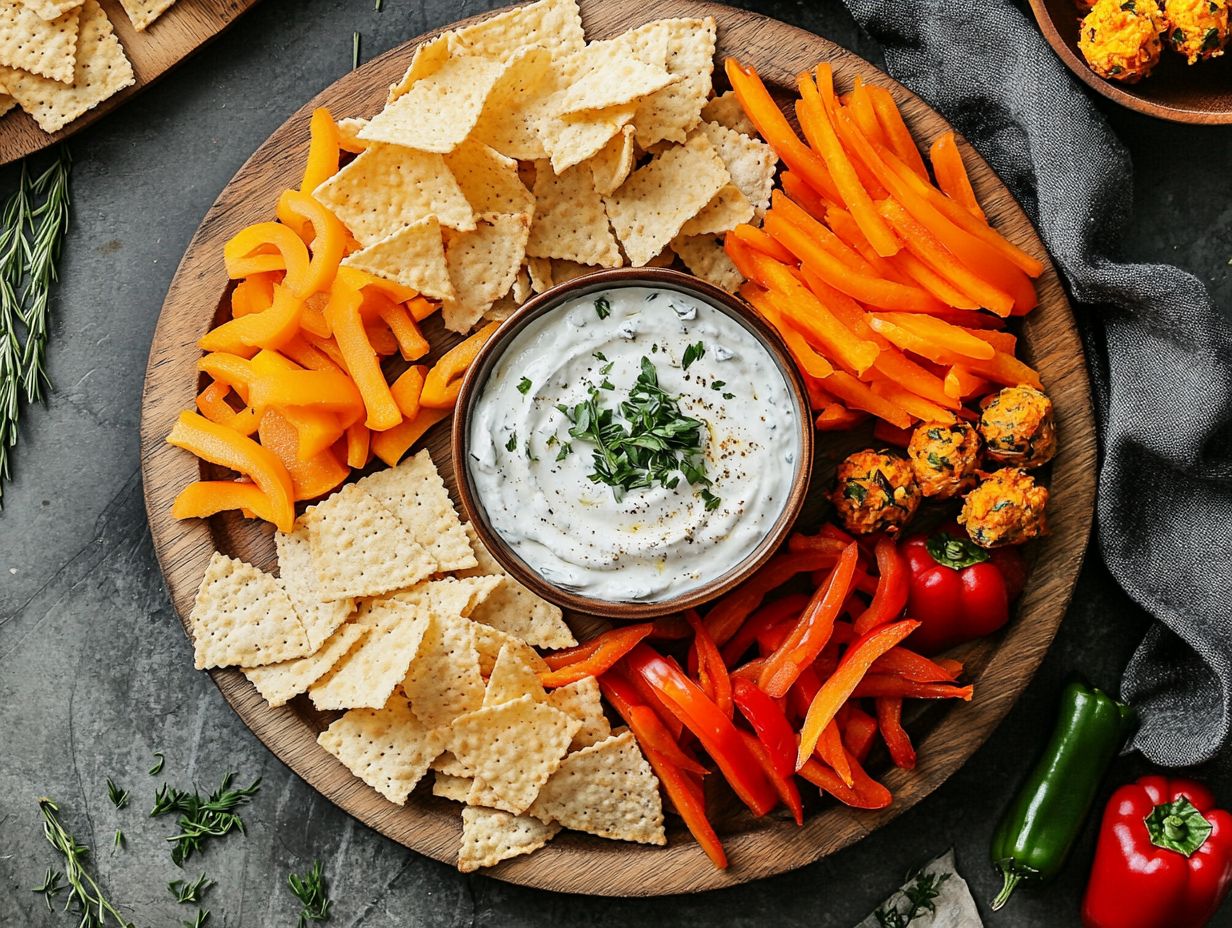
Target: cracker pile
388 609
514 155
61 58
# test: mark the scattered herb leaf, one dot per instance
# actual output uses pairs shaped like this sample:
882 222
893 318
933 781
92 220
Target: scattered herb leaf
158 764
189 892
603 308
200 818
84 895
524 385
313 893
919 898
203 917
118 797
694 352
512 443
51 887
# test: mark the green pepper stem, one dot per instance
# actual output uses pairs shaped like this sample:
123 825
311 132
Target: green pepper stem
1007 888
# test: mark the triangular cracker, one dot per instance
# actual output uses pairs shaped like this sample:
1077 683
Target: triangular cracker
512 677
443 681
583 701
490 836
320 617
413 256
387 748
280 683
369 673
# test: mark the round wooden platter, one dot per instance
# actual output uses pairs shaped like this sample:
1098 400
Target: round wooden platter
174 36
1000 667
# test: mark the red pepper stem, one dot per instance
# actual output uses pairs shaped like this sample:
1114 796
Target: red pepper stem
1178 826
1012 879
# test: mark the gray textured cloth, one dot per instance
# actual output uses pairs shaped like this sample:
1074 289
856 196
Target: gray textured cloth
1161 357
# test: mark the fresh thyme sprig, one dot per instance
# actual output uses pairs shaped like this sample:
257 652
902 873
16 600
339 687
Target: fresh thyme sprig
313 893
201 819
189 892
84 894
919 896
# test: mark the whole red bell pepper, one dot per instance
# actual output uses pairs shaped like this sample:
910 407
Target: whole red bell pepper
1164 857
957 590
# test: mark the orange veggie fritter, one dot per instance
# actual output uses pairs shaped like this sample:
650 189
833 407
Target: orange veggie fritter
1120 39
1007 508
1018 427
944 458
875 491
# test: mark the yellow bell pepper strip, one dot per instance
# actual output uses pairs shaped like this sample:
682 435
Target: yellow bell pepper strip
312 320
226 448
205 498
323 148
381 339
328 237
264 262
270 328
310 478
342 314
327 391
408 388
259 241
231 369
308 356
391 445
370 283
358 445
443 382
212 403
411 343
317 429
254 293
421 308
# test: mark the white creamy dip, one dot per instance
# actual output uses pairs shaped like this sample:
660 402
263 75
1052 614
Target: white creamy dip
533 479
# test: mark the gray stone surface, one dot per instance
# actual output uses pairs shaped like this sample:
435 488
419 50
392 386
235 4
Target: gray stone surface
95 674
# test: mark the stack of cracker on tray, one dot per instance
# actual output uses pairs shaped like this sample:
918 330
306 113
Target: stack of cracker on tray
388 609
515 155
61 58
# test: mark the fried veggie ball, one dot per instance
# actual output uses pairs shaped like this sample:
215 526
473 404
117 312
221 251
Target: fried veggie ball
1007 508
875 491
1198 29
1120 39
944 458
1018 428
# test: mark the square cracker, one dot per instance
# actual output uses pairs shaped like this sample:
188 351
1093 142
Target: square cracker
571 139
388 187
45 47
280 683
611 164
490 836
583 701
705 257
569 219
101 70
650 208
360 548
750 162
143 12
513 677
367 675
443 681
516 104
415 493
672 112
513 748
554 24
319 616
387 748
615 79
413 256
726 110
483 264
242 616
608 790
489 180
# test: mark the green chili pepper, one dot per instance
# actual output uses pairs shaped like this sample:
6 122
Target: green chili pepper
1037 830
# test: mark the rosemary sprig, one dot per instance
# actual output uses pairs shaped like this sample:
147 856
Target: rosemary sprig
919 897
189 892
201 819
158 764
313 893
203 916
84 894
51 887
354 50
120 841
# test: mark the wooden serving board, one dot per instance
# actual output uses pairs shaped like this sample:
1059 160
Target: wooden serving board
947 735
174 36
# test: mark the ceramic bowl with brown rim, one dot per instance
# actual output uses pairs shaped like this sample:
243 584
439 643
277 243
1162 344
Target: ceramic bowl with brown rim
632 443
1176 91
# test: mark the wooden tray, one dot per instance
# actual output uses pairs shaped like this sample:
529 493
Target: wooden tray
947 736
173 37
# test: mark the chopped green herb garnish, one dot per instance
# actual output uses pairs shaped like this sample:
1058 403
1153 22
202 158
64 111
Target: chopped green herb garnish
512 443
158 764
1210 41
201 818
599 356
718 384
203 917
524 385
603 308
729 396
692 353
565 450
189 892
607 385
118 797
313 893
712 502
855 491
607 368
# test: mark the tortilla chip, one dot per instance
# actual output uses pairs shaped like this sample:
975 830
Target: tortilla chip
539 270
413 256
513 748
482 265
348 134
489 180
520 292
429 57
569 219
319 616
490 836
554 24
280 683
416 494
360 548
101 70
728 209
448 765
451 787
616 79
387 748
726 110
608 790
512 678
52 9
388 187
242 616
750 162
650 208
46 47
583 701
571 139
612 164
705 257
141 13
443 681
369 673
516 104
671 112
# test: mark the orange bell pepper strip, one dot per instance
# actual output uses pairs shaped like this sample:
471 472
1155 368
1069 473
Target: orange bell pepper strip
212 403
812 631
372 284
645 722
817 128
308 356
328 242
831 752
325 391
784 785
204 498
408 388
390 446
859 731
838 688
266 262
310 478
420 308
265 238
805 357
381 339
876 685
235 371
318 429
342 314
857 394
227 448
328 347
269 328
358 445
254 293
712 672
866 793
952 175
912 666
593 657
772 126
411 343
890 721
444 380
323 148
732 610
758 240
312 319
892 587
915 406
895 129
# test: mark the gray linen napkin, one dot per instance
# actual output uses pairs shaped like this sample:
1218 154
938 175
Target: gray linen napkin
1161 357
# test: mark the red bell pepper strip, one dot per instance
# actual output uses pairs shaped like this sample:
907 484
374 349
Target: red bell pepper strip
878 684
750 671
594 657
805 690
768 616
1163 859
687 796
644 722
911 666
859 731
822 543
713 672
866 794
769 722
651 697
813 630
718 736
890 721
785 786
891 595
670 628
730 612
839 687
831 750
